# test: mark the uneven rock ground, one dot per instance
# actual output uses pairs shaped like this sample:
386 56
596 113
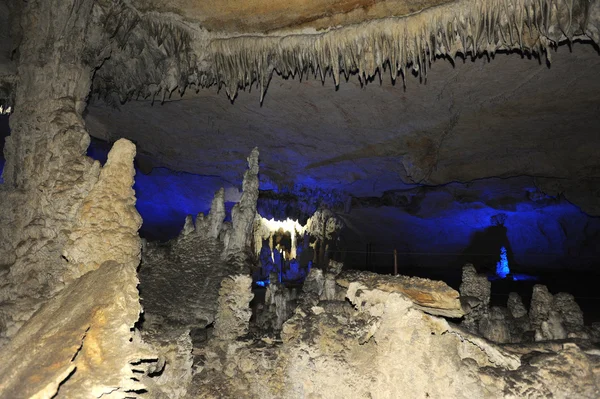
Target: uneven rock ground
383 346
60 278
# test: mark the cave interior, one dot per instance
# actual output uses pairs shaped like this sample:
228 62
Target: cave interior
252 178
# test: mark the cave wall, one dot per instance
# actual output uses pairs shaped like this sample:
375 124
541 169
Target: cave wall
430 226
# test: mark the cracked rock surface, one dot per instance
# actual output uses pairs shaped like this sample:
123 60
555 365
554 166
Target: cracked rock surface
83 350
381 345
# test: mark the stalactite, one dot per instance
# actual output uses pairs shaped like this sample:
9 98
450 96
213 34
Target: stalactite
464 27
157 54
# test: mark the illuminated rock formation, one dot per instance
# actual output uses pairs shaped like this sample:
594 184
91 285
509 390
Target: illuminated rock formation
107 223
180 279
81 342
70 313
385 346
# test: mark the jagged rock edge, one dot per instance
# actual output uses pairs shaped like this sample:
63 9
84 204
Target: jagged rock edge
188 55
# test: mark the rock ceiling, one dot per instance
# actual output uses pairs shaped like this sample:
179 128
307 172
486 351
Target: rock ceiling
511 116
361 95
264 16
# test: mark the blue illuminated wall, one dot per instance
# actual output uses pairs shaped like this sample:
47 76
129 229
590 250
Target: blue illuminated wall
166 197
446 228
429 226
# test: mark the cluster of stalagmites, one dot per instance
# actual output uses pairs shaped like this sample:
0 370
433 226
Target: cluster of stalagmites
358 334
550 317
81 339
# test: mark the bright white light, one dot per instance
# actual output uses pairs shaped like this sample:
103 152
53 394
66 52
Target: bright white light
287 225
6 110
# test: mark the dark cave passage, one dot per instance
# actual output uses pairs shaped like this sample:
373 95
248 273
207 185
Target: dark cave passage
434 232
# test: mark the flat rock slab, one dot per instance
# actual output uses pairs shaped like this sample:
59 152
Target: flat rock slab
433 297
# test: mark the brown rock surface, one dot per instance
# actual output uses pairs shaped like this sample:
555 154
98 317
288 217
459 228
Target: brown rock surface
260 16
434 297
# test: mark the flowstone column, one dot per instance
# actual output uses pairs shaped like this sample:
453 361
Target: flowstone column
47 174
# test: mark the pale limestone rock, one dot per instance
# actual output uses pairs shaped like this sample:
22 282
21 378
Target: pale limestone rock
330 291
46 175
515 305
569 311
244 212
541 304
475 290
81 340
188 226
434 297
213 223
314 282
233 312
475 285
107 223
551 328
173 373
383 346
495 326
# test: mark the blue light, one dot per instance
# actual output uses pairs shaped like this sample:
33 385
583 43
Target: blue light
523 277
263 283
502 268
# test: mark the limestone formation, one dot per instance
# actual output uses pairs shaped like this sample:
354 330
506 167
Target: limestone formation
172 374
541 305
244 212
180 279
280 303
233 311
71 318
198 57
81 343
107 223
385 346
569 311
515 305
46 175
475 290
494 326
434 297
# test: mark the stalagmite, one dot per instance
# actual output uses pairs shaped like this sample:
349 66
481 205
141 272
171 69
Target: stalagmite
107 223
233 312
244 212
75 322
180 279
